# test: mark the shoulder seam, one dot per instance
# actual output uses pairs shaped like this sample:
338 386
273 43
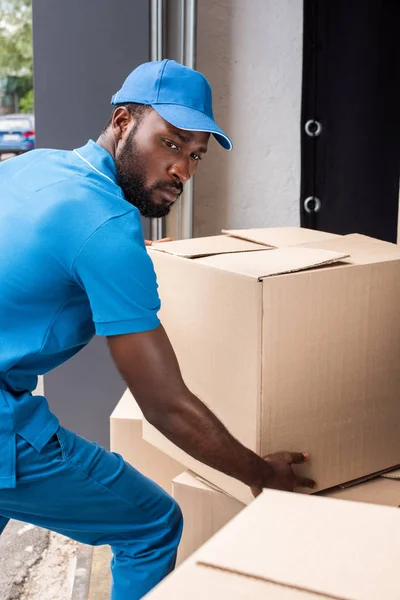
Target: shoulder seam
132 209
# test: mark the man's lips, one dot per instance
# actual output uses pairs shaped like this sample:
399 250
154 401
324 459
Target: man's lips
170 194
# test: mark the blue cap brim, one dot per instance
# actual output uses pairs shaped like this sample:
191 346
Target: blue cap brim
189 119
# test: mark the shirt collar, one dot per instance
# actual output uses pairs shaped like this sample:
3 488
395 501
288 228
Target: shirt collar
98 159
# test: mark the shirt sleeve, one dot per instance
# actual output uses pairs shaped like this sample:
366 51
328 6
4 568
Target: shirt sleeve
117 274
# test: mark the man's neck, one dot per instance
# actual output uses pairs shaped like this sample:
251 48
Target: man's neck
107 141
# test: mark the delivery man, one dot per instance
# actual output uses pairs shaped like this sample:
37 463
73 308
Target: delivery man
73 263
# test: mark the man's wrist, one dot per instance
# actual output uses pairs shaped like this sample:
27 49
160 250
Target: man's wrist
258 472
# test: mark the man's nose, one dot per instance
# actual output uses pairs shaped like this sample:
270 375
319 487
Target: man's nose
181 170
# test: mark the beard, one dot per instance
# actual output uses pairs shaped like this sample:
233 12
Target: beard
131 178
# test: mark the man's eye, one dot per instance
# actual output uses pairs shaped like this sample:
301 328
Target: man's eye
171 145
196 157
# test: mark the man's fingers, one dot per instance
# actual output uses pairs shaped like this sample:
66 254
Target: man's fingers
297 458
150 243
304 482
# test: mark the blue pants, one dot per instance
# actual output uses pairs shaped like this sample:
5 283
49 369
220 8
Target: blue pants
79 489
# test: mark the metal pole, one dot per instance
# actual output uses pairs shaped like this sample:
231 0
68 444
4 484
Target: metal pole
190 38
182 30
189 16
156 53
186 12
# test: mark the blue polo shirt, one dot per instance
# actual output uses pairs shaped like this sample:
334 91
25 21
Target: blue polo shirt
72 263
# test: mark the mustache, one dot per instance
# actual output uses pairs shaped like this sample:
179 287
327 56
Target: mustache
174 187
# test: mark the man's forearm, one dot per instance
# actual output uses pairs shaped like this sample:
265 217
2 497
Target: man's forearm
195 429
149 366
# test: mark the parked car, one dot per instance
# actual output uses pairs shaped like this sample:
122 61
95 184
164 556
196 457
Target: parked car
17 133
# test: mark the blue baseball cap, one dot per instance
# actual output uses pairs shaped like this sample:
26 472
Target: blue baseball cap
178 94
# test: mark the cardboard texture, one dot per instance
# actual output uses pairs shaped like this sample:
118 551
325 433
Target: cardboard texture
197 582
126 439
395 474
362 249
333 548
197 247
205 510
381 490
267 264
287 546
278 237
305 361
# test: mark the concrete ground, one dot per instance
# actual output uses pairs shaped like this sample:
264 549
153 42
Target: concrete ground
100 580
35 564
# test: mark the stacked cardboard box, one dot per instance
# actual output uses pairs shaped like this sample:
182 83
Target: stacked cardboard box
292 338
206 509
126 439
287 546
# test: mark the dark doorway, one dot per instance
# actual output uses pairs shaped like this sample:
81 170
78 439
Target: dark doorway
351 103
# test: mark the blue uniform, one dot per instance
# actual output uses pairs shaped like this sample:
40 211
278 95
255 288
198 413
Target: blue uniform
72 263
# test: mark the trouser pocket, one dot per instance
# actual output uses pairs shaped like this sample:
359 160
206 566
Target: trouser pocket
56 447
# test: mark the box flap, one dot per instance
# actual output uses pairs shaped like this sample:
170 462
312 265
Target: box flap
339 549
392 475
127 408
189 479
361 248
206 246
277 262
278 237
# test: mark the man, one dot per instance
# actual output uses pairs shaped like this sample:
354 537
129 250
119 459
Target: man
73 263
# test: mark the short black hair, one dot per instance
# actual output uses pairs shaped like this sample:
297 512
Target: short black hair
137 111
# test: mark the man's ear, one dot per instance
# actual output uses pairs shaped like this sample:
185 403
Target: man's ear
121 121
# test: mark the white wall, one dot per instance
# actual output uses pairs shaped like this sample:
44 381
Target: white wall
251 52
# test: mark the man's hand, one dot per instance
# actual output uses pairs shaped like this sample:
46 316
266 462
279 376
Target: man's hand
148 364
282 476
150 243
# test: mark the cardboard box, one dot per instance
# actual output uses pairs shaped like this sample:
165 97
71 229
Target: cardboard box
205 510
290 546
395 474
126 439
197 582
381 490
290 348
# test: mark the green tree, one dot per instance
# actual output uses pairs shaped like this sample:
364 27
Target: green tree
16 38
26 103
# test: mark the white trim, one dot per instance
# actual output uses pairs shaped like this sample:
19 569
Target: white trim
94 168
208 131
